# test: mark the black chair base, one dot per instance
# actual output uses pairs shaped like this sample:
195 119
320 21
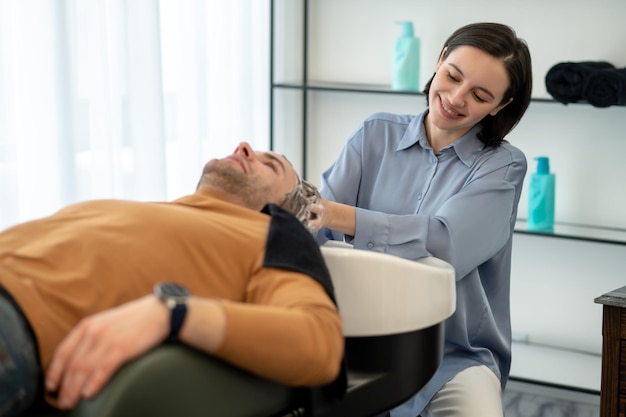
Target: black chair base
383 371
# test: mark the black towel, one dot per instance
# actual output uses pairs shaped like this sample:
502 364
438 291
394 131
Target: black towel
606 88
566 81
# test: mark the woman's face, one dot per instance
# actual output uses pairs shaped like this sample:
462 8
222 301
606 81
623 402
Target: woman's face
468 85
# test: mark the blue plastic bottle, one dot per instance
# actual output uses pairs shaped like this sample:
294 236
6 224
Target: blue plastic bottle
541 197
406 60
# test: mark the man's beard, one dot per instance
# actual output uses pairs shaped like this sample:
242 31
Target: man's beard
228 180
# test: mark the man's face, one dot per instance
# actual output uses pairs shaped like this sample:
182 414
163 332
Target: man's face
251 178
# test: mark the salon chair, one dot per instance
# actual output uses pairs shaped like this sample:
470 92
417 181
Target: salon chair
393 311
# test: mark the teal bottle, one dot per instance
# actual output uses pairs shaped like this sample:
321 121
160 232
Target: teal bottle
541 197
406 60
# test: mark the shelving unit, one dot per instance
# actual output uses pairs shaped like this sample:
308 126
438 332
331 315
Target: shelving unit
539 364
566 231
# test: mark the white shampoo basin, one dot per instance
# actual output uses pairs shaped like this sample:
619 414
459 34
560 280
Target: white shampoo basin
379 294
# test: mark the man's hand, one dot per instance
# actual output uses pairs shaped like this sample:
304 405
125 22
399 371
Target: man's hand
100 344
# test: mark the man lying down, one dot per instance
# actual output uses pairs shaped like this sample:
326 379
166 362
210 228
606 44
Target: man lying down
227 270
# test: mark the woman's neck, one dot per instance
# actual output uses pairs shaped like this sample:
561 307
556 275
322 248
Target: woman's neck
439 138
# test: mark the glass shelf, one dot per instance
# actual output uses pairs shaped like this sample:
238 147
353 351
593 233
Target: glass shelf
577 232
369 88
553 366
345 87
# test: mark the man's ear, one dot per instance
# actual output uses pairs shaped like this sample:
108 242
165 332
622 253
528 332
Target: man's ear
500 107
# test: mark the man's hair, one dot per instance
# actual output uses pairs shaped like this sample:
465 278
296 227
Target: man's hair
299 201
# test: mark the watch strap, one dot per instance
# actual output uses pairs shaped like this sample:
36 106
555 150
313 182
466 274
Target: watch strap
177 318
175 297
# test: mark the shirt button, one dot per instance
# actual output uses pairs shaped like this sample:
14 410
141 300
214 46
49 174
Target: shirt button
370 245
419 197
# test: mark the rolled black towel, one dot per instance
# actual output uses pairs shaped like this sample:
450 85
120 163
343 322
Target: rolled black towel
565 81
606 88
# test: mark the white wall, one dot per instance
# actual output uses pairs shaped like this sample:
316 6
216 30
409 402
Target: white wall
554 280
353 39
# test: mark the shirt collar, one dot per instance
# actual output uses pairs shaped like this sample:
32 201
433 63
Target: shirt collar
467 147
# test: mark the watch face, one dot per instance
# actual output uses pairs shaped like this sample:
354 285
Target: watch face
175 297
168 290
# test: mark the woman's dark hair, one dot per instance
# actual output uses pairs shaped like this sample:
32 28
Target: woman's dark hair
499 41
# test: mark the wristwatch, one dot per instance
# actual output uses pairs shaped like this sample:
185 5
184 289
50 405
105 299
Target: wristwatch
175 297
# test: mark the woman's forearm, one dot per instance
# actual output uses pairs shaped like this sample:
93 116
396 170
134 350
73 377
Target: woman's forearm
340 217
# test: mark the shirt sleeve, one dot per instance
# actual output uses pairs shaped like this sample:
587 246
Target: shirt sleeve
340 183
287 330
469 228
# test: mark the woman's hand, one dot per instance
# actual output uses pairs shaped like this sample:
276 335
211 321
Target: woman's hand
100 344
319 217
335 216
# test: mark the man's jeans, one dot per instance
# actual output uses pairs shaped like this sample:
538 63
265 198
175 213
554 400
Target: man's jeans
19 366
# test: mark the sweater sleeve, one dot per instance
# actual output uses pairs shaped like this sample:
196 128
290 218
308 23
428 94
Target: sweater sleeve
288 331
289 328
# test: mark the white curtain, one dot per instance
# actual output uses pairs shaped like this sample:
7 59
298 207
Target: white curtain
124 98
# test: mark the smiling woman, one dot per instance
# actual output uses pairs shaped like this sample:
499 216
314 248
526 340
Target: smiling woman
445 183
134 98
